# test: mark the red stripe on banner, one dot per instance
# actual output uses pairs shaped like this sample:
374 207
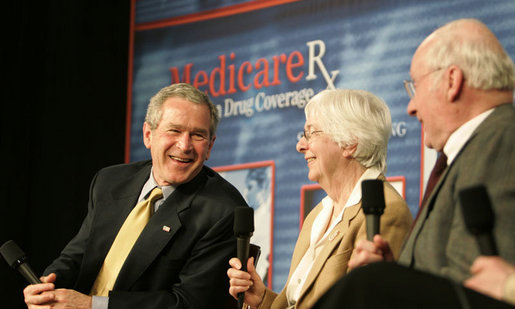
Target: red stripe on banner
303 213
211 14
128 111
422 157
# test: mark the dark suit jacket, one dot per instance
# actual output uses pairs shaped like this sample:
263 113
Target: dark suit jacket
184 267
439 242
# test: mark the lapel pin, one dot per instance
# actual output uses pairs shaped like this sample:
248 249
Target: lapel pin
166 228
333 236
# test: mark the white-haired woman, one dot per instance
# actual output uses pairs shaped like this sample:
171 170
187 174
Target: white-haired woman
344 142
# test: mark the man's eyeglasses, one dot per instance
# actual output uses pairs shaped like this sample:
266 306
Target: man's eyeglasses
409 85
309 135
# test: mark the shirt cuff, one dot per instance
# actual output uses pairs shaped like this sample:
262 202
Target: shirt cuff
509 289
99 302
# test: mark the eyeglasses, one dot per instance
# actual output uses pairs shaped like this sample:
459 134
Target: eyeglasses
409 85
309 135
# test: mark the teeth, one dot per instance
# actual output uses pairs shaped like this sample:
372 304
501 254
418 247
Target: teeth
310 159
180 159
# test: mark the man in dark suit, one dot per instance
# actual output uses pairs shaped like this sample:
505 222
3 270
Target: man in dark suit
179 258
462 93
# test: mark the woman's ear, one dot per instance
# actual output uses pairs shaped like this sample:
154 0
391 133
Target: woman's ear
348 151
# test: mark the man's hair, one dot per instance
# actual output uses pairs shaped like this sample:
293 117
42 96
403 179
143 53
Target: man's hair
481 57
184 91
352 117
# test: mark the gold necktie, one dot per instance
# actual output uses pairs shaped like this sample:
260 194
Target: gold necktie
123 243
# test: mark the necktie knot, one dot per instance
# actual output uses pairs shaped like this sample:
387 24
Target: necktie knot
440 165
156 194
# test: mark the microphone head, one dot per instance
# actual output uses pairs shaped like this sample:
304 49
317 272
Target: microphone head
477 210
372 197
243 220
12 254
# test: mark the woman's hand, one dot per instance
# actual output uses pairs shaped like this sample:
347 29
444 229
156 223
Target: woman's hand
248 282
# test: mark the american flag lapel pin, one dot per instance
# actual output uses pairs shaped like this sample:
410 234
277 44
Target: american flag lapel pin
166 228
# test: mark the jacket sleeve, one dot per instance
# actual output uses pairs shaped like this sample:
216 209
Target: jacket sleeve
67 265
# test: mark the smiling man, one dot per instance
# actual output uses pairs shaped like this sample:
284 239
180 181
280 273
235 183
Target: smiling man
461 90
158 233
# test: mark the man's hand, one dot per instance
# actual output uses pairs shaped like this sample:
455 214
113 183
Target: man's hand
489 275
367 252
45 296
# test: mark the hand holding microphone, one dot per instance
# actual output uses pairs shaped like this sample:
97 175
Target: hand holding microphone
243 229
373 204
17 259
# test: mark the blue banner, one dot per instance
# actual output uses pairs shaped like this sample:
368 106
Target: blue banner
262 65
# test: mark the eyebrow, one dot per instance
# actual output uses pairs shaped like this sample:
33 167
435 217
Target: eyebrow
194 130
311 127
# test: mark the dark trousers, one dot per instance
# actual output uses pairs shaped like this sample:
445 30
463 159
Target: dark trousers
388 285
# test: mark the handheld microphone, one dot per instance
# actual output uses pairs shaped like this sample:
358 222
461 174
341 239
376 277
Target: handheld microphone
243 229
17 259
372 202
479 217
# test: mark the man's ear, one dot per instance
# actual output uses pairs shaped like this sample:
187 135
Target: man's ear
147 135
455 83
211 143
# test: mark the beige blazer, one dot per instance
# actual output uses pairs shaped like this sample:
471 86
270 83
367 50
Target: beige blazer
331 264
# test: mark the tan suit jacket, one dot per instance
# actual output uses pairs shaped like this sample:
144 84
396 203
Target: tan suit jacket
331 264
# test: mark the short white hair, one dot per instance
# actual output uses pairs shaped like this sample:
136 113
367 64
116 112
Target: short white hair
482 59
353 117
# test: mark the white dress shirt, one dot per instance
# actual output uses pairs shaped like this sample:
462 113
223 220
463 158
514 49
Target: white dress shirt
319 234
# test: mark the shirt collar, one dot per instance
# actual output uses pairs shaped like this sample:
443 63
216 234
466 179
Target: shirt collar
150 184
355 196
459 137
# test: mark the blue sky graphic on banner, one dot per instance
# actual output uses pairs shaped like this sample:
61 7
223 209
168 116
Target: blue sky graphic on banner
261 67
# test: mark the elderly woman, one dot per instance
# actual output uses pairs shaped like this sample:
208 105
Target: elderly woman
344 142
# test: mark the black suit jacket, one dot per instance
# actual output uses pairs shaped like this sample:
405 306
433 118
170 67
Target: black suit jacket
184 267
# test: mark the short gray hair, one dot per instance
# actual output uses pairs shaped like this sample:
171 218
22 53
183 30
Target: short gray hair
185 91
352 117
481 57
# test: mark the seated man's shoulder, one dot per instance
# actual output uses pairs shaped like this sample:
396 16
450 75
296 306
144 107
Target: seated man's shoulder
126 167
225 192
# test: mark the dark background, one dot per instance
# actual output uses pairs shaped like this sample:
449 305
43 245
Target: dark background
64 72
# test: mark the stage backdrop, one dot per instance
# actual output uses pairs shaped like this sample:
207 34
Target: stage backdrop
261 61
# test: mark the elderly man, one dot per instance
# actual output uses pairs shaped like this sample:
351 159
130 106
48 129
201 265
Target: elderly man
462 92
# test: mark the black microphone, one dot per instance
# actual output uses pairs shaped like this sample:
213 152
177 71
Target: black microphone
372 202
243 229
479 217
17 259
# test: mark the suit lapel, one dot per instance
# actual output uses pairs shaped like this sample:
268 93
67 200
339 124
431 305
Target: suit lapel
161 228
410 242
331 242
108 220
